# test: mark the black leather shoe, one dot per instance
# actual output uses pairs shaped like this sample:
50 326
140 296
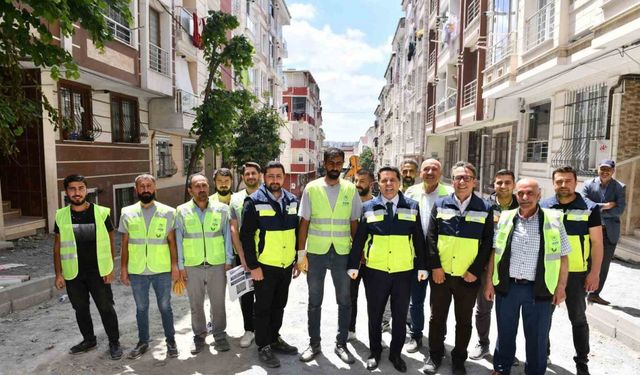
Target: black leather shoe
138 351
343 353
398 363
266 356
458 368
83 347
372 363
280 346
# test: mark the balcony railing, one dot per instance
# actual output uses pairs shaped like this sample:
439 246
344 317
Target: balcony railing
473 10
186 102
431 113
469 93
539 27
447 103
451 100
118 26
432 57
158 59
537 151
504 46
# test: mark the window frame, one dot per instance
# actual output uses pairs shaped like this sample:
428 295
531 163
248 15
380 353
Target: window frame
87 131
120 98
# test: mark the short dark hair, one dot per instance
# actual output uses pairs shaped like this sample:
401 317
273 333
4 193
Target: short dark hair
366 172
466 165
506 172
389 169
251 164
332 152
274 164
410 161
74 178
225 172
565 169
190 178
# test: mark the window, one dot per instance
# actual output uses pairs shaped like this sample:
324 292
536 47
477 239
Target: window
451 152
501 151
539 26
124 196
299 104
585 122
165 166
503 24
538 135
118 26
158 57
125 126
187 150
300 157
75 104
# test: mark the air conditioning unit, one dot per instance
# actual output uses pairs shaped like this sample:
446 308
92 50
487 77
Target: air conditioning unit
599 149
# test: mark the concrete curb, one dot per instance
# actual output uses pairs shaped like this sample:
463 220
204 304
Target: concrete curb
27 294
615 324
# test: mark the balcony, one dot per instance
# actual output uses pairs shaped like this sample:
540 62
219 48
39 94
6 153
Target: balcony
158 60
186 102
431 112
539 27
174 113
472 24
447 103
184 35
469 94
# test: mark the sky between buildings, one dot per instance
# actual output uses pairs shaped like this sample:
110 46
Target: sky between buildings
346 44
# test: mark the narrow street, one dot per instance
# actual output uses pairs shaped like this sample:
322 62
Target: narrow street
36 341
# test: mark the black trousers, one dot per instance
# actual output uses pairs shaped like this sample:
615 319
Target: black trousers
271 297
78 290
464 298
246 305
576 309
355 287
379 286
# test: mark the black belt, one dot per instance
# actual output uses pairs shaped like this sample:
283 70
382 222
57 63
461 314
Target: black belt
520 281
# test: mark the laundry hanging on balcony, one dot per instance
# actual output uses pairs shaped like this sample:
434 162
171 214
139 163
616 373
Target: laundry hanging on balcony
450 30
197 24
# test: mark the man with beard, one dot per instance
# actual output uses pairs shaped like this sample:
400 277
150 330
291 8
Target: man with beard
409 170
251 175
425 194
609 194
149 258
268 236
329 213
584 228
204 255
503 199
83 253
364 182
222 180
390 238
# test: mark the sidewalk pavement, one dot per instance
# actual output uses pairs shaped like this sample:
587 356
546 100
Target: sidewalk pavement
36 341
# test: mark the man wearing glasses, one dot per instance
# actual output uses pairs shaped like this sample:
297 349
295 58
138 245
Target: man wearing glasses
459 242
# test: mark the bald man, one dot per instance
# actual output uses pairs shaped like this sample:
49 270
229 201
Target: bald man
527 273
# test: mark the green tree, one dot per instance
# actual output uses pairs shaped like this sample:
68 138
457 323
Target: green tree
25 38
366 159
217 117
257 137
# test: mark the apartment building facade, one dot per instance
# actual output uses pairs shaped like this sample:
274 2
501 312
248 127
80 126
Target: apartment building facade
527 85
302 134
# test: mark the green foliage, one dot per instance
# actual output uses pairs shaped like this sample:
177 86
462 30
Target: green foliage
258 137
217 117
26 37
366 159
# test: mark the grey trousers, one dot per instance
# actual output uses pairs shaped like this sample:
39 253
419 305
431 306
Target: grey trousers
213 281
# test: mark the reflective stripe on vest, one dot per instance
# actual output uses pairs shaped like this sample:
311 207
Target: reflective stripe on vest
148 247
68 248
392 253
580 243
552 244
202 240
327 226
458 253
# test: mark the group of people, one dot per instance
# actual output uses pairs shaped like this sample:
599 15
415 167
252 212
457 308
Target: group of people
525 253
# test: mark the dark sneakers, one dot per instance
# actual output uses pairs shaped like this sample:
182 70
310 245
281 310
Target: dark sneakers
343 353
172 349
267 357
458 368
139 350
115 351
280 346
198 345
310 353
83 347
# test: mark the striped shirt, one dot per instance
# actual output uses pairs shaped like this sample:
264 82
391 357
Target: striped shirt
525 246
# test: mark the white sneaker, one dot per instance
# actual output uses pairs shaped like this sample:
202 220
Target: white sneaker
351 336
247 339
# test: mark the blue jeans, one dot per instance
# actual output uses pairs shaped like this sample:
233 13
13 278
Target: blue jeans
416 307
318 265
536 320
162 288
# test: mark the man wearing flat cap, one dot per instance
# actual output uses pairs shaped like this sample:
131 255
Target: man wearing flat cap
609 194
